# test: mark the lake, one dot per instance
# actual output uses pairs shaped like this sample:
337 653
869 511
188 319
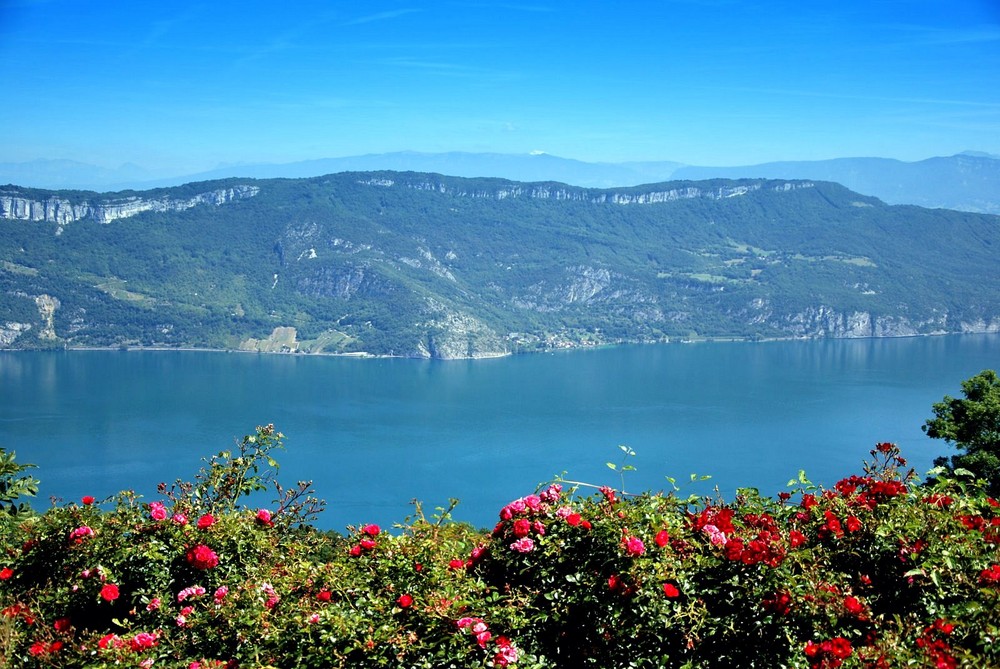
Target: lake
373 434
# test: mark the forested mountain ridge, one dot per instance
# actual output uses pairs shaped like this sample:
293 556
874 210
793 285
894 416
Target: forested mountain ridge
426 265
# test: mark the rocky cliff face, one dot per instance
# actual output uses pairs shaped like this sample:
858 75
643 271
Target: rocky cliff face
456 335
825 321
558 192
62 211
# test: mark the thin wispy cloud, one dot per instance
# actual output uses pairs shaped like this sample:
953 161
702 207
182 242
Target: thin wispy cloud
381 16
446 68
863 98
934 36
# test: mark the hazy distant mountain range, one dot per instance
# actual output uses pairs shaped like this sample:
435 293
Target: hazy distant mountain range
968 181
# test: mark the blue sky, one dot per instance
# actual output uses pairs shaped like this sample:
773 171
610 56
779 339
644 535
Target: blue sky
186 86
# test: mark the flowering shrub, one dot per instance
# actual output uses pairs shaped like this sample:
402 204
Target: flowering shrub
879 571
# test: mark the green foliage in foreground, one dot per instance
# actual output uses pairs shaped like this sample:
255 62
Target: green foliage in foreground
876 572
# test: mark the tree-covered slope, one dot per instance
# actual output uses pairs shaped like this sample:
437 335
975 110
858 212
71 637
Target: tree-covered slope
426 265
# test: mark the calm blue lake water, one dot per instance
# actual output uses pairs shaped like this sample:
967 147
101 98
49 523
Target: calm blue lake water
375 434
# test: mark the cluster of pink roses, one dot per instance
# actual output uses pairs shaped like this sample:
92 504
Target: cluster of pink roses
137 643
526 514
79 534
505 652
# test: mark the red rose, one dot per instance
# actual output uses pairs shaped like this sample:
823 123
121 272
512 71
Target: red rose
323 595
853 524
853 605
6 573
202 557
456 564
87 500
355 550
943 626
367 544
840 648
671 591
61 624
522 527
405 601
109 592
371 530
573 519
109 640
206 521
662 538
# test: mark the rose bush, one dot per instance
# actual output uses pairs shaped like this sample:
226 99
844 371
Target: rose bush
878 571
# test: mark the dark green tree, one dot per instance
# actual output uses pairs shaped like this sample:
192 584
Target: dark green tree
972 425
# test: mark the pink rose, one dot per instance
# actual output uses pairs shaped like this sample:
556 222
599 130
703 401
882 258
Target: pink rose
79 534
371 530
523 545
634 546
142 641
264 517
157 511
202 557
533 502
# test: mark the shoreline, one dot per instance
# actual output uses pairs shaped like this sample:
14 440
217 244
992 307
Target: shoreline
372 356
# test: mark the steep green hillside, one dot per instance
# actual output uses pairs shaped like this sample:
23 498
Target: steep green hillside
425 265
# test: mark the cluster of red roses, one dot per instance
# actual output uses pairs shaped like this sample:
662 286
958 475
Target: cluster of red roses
763 543
828 654
937 649
367 541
